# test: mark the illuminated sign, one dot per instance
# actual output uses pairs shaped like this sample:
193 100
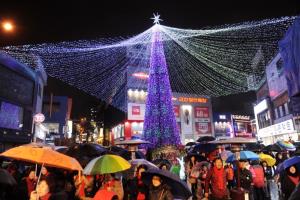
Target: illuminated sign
192 100
222 116
140 75
242 117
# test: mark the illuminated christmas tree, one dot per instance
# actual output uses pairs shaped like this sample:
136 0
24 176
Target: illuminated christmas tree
160 126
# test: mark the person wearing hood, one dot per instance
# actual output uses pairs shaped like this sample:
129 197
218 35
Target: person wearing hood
289 179
158 190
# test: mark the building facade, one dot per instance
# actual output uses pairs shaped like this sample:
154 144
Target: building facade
193 112
21 95
273 112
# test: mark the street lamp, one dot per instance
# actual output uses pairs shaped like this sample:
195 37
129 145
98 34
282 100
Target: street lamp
7 26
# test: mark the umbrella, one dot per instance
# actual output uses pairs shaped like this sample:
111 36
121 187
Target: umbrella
256 147
204 148
272 147
124 153
137 162
86 149
286 145
6 178
225 154
268 159
287 163
190 144
106 164
44 156
129 174
244 155
205 139
179 188
160 161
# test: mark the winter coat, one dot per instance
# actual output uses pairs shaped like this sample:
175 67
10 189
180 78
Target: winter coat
296 193
258 176
104 195
269 172
245 179
134 189
162 192
287 186
213 180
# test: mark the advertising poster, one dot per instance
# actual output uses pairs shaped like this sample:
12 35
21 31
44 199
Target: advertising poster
176 111
201 112
202 128
136 111
186 119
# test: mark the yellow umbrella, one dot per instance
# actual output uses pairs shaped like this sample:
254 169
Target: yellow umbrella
42 155
268 159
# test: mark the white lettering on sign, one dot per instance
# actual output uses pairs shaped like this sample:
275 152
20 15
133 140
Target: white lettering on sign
243 117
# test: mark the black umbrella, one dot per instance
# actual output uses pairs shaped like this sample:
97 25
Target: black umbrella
124 153
6 178
190 144
160 161
85 152
205 139
204 148
272 147
179 188
256 147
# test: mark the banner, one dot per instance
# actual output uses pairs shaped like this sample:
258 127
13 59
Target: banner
186 119
201 112
202 128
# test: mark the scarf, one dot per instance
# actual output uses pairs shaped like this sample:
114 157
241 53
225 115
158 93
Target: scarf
294 179
219 173
45 197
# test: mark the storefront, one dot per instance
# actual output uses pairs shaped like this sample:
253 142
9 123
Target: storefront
281 131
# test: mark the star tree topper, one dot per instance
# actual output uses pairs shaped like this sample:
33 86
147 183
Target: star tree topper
156 18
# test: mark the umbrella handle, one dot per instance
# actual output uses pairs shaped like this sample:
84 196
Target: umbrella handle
39 176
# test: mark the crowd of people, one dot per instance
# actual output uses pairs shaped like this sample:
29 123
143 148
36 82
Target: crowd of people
256 178
207 179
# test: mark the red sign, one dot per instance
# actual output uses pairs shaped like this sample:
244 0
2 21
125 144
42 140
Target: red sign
192 100
201 112
176 111
136 110
38 118
203 127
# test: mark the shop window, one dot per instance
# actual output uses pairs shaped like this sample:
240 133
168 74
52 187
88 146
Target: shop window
286 108
276 113
281 111
264 119
279 66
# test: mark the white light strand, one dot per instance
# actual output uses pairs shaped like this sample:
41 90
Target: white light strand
213 61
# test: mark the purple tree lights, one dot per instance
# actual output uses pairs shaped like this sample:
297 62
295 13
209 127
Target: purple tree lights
160 126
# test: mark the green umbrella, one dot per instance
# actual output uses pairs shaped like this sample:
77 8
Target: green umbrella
106 164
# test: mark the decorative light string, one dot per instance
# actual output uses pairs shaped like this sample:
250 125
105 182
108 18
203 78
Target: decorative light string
212 61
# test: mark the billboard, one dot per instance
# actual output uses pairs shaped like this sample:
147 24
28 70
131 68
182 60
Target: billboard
136 111
203 128
201 112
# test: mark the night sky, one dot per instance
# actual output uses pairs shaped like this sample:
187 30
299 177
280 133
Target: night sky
55 21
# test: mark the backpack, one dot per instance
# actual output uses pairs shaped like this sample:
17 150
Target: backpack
258 177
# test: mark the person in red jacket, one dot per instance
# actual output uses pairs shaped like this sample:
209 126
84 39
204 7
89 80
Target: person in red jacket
217 179
258 179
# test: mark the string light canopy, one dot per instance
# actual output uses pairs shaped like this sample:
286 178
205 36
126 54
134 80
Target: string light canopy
212 61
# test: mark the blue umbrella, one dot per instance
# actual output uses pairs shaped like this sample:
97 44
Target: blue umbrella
244 155
287 163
